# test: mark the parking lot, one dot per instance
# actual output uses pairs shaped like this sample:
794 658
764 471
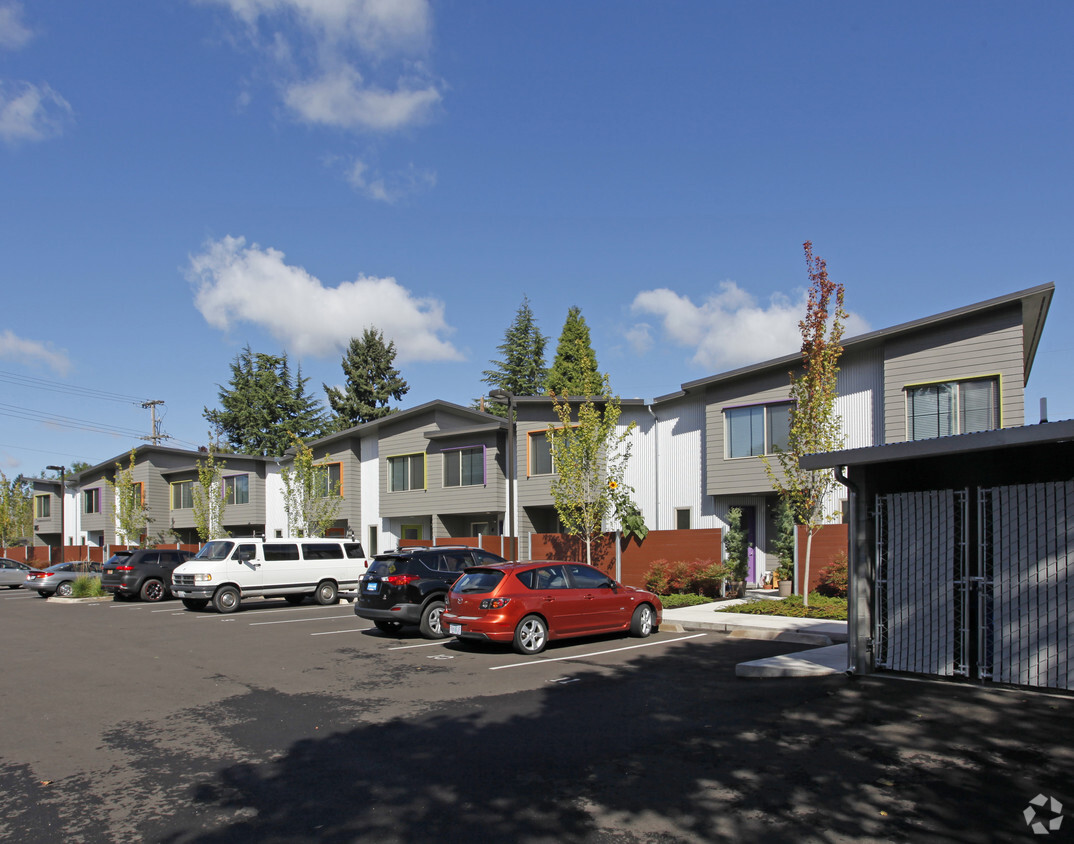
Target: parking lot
147 722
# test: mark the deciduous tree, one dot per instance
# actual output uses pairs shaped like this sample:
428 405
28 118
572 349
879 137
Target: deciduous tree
815 427
311 500
208 497
132 515
16 509
590 454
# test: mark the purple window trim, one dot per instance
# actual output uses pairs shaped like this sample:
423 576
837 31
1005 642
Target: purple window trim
484 459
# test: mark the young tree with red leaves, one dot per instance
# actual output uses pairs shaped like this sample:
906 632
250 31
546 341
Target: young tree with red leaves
815 427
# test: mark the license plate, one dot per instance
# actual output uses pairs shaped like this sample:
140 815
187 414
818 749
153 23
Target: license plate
371 587
454 629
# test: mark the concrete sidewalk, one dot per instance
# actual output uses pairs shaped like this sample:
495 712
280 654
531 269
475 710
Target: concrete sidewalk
828 654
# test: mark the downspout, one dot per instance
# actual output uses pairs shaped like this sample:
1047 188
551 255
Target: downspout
656 464
852 615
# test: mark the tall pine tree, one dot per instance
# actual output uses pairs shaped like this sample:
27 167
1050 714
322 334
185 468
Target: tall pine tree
575 364
263 406
372 381
521 370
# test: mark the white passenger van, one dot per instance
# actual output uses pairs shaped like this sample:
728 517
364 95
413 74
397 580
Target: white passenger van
226 571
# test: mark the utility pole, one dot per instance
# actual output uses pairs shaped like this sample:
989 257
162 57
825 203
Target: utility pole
154 437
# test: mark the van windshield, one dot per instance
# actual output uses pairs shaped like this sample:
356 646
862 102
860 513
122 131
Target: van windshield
215 550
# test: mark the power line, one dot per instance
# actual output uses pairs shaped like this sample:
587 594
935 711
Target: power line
69 389
66 421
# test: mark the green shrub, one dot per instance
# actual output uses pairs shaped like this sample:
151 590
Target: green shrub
87 587
673 602
820 606
833 578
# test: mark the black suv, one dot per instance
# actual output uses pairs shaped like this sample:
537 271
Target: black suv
145 573
409 586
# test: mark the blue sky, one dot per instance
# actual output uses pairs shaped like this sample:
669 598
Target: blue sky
181 178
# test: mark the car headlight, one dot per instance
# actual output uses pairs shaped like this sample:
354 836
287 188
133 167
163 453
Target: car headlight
202 578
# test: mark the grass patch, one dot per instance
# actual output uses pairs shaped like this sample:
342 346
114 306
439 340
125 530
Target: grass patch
87 587
819 607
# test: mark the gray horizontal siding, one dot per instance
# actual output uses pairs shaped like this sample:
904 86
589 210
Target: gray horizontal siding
981 346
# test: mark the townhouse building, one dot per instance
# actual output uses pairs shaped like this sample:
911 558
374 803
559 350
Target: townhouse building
442 470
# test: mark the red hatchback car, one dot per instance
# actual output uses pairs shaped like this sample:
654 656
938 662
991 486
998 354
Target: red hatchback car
532 603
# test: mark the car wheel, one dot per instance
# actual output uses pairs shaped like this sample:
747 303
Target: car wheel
195 603
388 626
641 624
531 635
44 594
226 599
294 600
429 625
153 590
65 589
120 596
327 593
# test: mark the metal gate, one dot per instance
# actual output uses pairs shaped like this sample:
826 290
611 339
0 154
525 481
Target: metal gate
994 609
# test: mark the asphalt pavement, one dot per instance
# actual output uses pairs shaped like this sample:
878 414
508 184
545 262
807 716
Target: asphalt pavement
824 649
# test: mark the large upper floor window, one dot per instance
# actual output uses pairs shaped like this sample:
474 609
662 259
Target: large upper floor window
42 506
237 489
406 471
91 500
757 429
183 495
952 407
464 466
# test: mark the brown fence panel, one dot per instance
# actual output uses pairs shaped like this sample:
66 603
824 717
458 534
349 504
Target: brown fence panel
635 557
504 546
828 542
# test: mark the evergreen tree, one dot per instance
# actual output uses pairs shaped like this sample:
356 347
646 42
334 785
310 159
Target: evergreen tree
263 406
521 370
575 364
372 380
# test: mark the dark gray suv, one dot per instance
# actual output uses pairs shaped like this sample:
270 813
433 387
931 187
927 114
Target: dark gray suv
145 573
409 586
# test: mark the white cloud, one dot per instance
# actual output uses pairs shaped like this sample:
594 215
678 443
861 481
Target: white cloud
730 329
13 347
31 112
389 189
13 33
235 283
362 58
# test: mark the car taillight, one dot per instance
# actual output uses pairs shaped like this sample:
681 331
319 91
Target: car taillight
494 603
401 579
124 568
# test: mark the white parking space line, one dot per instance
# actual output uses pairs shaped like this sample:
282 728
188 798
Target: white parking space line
440 642
337 632
297 620
540 661
282 609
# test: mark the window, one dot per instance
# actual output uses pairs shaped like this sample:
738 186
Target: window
237 489
322 551
464 466
405 472
540 452
183 495
276 552
410 532
760 429
587 577
953 407
91 501
139 492
682 518
42 507
330 479
551 577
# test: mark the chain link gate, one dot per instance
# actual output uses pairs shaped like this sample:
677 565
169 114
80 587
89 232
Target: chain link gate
996 609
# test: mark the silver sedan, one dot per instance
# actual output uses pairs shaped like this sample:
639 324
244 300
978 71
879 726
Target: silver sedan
60 578
13 573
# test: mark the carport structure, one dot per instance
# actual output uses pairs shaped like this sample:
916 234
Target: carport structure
961 555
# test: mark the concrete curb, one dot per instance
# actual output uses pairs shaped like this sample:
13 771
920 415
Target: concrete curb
59 599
